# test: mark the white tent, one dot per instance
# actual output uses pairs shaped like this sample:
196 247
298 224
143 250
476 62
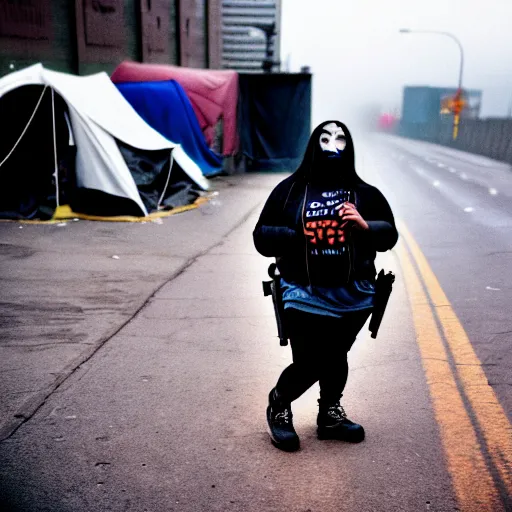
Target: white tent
99 115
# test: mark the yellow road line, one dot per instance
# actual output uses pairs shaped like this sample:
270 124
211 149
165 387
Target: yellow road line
471 479
492 419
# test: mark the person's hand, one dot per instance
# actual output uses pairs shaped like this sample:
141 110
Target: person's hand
351 217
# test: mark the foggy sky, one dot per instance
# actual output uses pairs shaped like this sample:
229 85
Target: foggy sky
358 58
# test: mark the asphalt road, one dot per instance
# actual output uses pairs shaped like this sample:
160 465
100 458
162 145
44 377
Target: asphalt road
458 206
168 412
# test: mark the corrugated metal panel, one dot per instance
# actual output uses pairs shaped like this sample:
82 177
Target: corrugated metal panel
243 67
237 39
242 30
247 58
246 21
243 43
249 3
231 11
260 48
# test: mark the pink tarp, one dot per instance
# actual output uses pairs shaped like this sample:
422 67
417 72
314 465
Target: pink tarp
213 94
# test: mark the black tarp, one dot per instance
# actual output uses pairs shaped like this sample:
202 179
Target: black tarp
274 120
150 171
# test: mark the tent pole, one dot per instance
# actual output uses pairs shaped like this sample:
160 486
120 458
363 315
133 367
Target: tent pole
167 182
56 173
25 129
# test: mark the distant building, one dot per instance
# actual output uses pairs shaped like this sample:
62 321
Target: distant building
243 36
422 104
425 114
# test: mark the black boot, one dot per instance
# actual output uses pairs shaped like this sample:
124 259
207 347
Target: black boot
279 419
333 423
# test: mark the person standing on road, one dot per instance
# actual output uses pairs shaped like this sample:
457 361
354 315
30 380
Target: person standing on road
323 224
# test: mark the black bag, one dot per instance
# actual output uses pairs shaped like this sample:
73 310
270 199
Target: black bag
383 288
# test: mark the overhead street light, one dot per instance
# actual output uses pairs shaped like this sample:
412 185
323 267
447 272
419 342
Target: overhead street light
456 117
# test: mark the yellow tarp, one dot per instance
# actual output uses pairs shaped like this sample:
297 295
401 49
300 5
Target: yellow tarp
64 213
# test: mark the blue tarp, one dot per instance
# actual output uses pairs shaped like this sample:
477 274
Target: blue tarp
166 108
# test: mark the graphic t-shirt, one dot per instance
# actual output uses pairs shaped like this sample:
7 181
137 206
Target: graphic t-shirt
331 292
327 243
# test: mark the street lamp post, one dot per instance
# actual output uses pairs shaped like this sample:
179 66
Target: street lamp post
456 117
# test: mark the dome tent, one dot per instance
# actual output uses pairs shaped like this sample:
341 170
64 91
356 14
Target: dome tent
76 139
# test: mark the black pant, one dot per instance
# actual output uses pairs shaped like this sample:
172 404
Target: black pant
319 347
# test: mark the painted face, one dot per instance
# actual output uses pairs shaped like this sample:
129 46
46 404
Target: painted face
332 140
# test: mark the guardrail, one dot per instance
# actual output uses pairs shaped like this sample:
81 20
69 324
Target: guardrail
487 137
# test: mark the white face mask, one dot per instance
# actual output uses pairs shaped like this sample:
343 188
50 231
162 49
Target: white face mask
332 139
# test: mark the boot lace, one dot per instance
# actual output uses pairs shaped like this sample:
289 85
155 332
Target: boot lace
283 417
336 412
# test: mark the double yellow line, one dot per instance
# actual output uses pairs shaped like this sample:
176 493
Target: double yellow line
475 431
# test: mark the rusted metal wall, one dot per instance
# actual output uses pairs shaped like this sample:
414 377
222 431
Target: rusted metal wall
26 27
100 30
214 15
193 39
27 20
243 41
155 26
86 36
36 31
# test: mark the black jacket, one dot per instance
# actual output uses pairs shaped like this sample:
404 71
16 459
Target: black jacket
279 231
